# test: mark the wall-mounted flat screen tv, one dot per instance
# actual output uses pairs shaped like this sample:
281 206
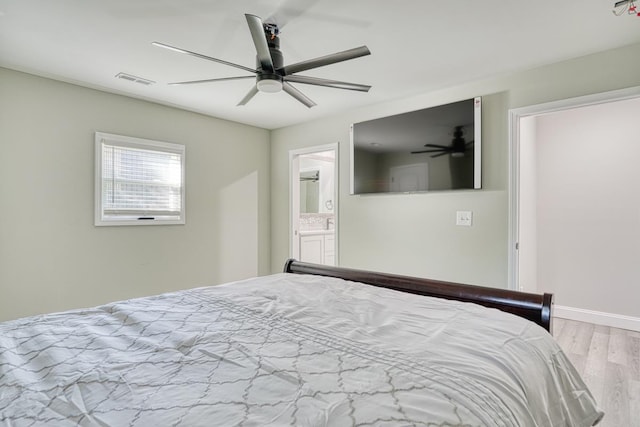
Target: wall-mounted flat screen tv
433 149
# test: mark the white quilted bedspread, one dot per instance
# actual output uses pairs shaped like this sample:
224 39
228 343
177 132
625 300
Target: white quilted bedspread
287 350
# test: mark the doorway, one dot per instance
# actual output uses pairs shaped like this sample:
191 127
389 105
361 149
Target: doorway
313 204
574 222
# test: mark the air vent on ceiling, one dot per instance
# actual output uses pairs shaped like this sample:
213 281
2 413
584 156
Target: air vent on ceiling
134 79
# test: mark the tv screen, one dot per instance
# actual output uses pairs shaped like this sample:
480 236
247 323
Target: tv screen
433 149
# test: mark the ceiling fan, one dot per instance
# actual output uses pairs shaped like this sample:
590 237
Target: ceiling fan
457 148
270 73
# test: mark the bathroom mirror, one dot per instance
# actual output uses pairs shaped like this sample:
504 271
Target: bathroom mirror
310 191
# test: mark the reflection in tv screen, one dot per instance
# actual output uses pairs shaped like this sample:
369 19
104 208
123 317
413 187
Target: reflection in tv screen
433 149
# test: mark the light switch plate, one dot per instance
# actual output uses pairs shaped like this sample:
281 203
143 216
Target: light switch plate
464 218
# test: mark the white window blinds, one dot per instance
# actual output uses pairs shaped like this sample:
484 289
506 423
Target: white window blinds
141 181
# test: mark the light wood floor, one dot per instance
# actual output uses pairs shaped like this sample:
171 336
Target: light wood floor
609 361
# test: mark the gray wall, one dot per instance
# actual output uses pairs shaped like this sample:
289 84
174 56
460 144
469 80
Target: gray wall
416 234
53 258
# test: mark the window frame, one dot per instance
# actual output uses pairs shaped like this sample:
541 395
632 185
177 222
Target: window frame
137 143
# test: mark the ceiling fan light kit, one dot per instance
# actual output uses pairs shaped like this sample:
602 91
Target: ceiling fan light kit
271 74
269 85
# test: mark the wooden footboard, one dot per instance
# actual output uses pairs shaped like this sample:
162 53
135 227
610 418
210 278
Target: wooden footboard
534 307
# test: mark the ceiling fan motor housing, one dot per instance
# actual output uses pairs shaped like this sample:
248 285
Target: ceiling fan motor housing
458 143
267 81
273 42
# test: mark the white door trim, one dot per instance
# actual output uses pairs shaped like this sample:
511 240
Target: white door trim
515 115
294 172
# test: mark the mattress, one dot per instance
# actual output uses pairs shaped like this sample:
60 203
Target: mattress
287 349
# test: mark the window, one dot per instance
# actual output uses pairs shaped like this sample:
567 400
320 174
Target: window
138 181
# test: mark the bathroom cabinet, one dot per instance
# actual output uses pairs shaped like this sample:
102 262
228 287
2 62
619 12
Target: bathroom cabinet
317 247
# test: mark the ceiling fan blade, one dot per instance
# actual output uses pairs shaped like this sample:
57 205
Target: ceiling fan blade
326 60
441 154
211 80
260 41
199 55
288 11
287 87
446 147
328 83
433 150
279 18
248 96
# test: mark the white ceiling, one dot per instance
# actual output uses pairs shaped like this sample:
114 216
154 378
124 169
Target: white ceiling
417 46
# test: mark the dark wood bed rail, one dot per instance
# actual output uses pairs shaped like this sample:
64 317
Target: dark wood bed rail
534 307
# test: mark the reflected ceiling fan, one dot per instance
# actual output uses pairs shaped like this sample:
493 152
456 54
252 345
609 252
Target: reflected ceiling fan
270 73
457 148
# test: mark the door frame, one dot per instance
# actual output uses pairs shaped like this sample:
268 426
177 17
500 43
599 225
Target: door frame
294 194
515 115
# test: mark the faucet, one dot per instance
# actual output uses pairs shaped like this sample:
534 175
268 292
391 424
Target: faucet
330 222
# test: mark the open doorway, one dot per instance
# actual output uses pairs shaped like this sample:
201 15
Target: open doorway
574 219
313 204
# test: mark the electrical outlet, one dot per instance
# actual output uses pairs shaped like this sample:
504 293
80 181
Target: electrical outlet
464 218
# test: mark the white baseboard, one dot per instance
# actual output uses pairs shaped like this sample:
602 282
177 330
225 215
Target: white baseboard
597 317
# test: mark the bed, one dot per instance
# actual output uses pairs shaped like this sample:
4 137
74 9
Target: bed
312 346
